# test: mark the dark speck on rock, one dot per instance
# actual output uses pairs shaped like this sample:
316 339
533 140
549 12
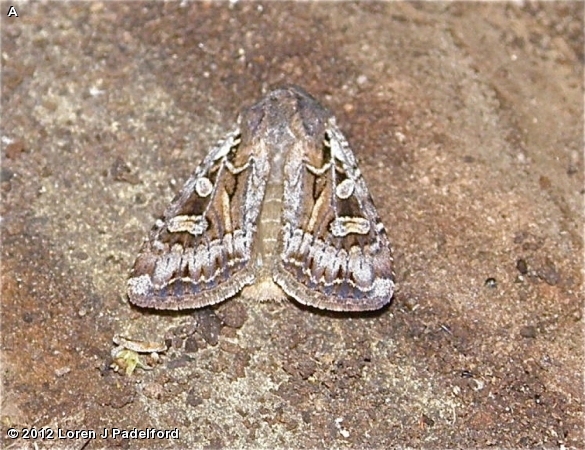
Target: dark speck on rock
549 273
179 362
528 331
6 175
233 314
191 344
427 420
491 283
522 266
307 367
209 325
120 171
193 398
14 149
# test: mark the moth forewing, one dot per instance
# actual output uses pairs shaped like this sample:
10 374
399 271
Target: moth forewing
279 204
200 253
337 257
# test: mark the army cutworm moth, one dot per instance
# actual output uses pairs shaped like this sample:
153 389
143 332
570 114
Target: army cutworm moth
277 208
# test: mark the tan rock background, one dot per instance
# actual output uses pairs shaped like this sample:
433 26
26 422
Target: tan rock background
467 120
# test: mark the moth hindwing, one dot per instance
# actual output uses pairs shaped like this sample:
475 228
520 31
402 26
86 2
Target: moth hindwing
278 207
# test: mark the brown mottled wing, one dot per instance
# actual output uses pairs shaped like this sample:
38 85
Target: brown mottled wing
334 252
201 252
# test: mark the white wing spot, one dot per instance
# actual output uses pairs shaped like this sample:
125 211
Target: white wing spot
342 226
345 188
203 187
195 225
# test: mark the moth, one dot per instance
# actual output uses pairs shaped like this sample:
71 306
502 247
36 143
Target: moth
277 209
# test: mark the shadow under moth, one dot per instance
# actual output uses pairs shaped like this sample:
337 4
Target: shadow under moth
277 208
